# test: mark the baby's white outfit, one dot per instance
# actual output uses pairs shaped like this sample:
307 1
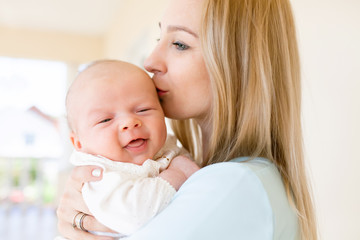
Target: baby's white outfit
128 195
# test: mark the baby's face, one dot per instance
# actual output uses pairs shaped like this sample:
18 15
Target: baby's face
117 115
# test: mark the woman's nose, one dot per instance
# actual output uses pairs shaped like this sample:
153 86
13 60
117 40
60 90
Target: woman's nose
155 63
130 124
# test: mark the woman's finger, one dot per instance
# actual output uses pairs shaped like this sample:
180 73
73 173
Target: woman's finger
65 221
72 202
71 233
82 174
72 199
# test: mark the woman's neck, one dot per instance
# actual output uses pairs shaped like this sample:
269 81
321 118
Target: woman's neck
205 136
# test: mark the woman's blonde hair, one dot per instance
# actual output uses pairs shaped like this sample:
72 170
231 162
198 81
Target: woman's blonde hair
251 53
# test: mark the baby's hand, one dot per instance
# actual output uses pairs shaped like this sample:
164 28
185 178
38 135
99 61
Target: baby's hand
184 164
179 170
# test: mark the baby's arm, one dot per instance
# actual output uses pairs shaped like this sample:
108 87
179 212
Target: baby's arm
179 170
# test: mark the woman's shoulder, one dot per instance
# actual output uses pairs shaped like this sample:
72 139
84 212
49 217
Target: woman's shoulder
243 167
248 181
238 173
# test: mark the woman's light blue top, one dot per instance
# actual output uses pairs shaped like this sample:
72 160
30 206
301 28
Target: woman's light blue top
224 201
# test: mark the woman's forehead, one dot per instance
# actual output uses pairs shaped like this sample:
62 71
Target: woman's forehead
188 14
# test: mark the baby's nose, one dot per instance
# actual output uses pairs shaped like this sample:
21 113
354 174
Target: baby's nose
130 124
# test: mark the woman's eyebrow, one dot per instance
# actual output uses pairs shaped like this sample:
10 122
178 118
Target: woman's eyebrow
174 28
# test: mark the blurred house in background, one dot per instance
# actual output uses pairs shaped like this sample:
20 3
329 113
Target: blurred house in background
30 130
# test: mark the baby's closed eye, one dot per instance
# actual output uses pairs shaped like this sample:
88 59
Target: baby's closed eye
105 120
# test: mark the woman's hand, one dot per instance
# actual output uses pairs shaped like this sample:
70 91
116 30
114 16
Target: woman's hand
72 203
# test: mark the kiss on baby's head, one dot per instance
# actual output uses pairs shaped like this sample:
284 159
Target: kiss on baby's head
113 111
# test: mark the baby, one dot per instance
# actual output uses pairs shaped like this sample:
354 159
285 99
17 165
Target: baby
117 123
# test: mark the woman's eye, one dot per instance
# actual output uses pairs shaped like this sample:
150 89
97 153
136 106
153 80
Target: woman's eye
180 46
105 120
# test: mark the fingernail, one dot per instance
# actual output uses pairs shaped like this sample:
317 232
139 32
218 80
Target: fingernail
96 172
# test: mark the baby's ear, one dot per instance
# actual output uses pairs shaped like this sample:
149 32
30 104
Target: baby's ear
75 141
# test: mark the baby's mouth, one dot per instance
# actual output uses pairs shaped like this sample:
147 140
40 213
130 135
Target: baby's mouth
136 143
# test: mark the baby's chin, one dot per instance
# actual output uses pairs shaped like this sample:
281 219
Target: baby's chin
138 160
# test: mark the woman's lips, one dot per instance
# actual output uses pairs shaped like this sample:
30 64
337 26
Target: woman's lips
161 92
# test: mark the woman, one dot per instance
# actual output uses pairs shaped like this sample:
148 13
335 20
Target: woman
227 73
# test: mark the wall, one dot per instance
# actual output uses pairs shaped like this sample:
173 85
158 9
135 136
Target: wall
50 45
133 34
329 37
130 37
